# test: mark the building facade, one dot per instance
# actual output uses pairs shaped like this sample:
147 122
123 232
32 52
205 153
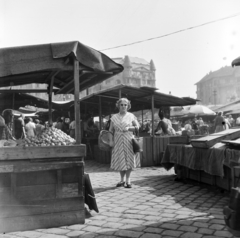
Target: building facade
219 87
137 72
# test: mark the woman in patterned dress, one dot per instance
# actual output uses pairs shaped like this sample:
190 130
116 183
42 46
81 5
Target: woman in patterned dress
123 124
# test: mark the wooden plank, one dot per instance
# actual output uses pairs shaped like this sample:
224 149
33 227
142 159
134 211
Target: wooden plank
80 181
28 208
41 221
18 153
59 184
5 180
210 140
5 195
36 178
30 167
35 192
70 175
13 186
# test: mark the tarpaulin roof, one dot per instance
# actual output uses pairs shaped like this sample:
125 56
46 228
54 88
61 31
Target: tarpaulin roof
38 63
141 98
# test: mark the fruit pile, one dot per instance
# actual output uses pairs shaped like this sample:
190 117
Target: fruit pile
50 137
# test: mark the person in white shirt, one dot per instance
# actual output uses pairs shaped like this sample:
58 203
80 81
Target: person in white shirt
30 128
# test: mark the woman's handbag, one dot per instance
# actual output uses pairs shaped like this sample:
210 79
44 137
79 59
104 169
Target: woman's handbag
137 143
105 140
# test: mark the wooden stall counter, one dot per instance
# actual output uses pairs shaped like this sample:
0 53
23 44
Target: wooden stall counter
41 187
218 165
148 158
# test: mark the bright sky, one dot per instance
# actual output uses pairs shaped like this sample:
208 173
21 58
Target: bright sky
181 59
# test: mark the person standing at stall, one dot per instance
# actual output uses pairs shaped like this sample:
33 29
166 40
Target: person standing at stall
122 125
219 122
20 132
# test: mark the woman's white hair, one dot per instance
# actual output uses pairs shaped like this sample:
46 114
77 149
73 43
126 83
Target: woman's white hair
123 99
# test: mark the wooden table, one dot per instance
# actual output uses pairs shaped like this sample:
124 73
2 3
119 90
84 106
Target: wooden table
218 165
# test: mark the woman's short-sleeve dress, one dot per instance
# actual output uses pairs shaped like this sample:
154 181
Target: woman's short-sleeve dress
123 157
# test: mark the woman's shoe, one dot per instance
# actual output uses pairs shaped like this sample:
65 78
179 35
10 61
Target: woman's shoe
120 184
128 185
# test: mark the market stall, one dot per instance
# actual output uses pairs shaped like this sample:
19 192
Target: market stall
103 103
209 160
35 179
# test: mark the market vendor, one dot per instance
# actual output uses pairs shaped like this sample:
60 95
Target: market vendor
164 126
6 121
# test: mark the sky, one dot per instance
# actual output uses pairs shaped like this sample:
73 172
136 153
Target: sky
181 59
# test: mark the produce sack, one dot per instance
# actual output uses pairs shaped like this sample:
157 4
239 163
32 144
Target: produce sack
105 140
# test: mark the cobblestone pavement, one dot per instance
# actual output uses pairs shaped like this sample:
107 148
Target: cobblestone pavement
156 206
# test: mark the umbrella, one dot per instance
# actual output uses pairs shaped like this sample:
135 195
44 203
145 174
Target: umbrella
198 110
236 62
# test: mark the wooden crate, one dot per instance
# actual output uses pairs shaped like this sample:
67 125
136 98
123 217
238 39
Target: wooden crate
38 195
212 139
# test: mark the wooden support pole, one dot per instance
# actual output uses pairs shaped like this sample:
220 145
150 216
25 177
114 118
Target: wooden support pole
153 135
120 93
100 113
77 102
13 101
50 91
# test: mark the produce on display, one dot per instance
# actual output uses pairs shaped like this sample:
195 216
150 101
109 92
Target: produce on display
50 137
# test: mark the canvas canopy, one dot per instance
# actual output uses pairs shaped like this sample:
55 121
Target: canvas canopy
39 63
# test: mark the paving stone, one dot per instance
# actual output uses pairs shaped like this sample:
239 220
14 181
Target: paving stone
191 235
149 235
30 234
57 231
169 226
52 236
205 231
224 234
153 230
171 233
201 224
133 216
187 228
217 221
76 227
97 222
91 228
74 234
113 225
126 233
106 231
132 221
216 227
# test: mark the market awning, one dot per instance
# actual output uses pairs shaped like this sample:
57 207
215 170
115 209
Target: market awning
17 100
39 63
141 98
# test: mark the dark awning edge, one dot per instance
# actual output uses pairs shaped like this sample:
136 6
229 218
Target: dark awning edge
37 63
